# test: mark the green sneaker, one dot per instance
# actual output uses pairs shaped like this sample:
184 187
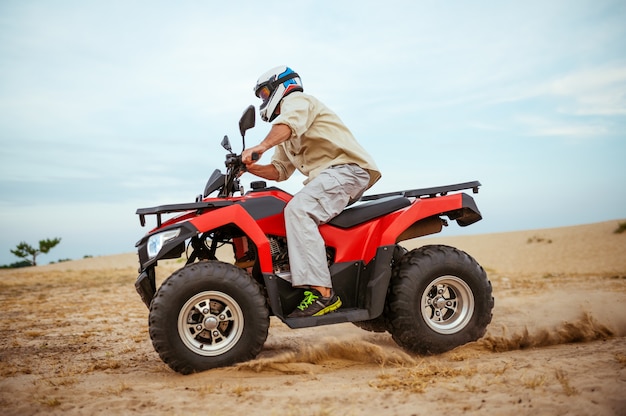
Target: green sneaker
314 304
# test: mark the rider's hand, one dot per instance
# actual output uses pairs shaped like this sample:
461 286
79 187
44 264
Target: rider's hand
246 156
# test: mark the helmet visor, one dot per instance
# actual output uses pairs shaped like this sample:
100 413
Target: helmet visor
264 93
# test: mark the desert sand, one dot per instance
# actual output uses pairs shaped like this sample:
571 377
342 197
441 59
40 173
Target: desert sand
75 341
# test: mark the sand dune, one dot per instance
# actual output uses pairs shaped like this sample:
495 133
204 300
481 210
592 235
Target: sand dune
75 341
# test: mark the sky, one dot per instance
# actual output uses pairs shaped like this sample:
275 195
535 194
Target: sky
110 106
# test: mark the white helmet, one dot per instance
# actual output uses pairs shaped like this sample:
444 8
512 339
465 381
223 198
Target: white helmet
272 86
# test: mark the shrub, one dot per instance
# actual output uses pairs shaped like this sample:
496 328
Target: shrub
620 228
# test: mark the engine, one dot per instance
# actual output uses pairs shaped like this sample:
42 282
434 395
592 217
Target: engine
280 255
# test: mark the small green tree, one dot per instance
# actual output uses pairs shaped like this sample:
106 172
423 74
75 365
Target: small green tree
24 250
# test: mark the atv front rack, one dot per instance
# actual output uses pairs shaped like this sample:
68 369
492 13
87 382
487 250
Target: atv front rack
167 209
427 192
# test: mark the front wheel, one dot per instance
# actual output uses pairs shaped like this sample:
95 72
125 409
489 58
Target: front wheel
440 298
206 315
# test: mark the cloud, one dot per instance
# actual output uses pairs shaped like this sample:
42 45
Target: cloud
594 91
549 127
585 103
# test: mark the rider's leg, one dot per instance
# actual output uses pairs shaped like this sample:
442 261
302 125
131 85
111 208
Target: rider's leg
318 202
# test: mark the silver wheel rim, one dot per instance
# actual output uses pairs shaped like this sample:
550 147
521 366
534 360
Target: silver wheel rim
210 323
447 305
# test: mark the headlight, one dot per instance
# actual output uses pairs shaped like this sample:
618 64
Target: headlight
156 241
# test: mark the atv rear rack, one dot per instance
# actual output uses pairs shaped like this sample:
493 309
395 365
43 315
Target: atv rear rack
427 192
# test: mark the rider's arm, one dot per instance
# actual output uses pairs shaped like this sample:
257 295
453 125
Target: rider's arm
268 172
278 134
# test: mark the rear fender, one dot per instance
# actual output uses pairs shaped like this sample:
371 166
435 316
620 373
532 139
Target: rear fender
238 216
417 220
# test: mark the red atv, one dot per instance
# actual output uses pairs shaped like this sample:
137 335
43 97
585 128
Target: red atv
211 313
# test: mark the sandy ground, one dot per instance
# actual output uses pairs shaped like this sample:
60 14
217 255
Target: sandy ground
75 341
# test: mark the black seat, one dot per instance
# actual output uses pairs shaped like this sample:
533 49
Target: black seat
367 211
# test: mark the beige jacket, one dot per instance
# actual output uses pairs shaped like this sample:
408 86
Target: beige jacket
319 140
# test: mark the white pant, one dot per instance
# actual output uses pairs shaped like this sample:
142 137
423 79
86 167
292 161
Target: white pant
317 203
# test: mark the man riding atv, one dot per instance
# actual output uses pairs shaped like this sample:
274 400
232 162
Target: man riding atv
307 136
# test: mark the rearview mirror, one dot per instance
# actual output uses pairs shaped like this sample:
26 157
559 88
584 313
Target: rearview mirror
247 120
226 144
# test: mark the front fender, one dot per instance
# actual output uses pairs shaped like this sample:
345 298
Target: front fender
238 216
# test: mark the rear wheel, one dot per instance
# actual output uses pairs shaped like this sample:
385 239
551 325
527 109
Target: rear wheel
206 315
379 324
440 298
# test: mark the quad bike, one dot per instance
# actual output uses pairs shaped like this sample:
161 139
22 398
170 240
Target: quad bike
212 313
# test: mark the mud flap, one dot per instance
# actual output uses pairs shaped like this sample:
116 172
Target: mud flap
146 287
